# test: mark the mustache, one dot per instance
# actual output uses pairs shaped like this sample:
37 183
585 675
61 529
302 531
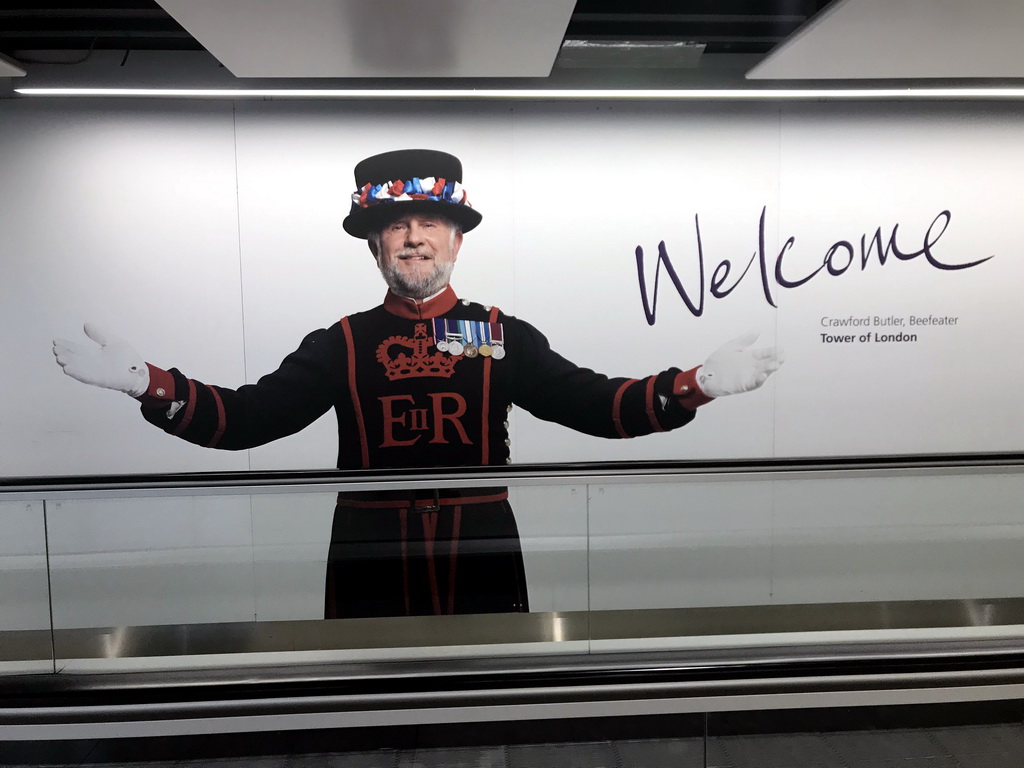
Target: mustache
407 252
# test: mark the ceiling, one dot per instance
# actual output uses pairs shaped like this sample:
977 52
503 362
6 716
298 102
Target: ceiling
726 26
546 43
69 32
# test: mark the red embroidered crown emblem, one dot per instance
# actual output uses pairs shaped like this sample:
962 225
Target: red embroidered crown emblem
403 365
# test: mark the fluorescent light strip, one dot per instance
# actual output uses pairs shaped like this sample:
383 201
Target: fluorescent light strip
542 95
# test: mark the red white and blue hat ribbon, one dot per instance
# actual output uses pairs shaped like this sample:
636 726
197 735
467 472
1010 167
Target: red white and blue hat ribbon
437 190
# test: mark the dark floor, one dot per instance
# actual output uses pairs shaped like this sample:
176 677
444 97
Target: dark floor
1000 746
959 737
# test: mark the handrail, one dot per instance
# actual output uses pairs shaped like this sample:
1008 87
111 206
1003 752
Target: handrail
330 480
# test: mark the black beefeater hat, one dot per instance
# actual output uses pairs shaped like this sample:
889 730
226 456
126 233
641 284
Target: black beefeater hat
408 181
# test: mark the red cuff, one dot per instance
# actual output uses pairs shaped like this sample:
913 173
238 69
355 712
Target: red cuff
161 387
687 392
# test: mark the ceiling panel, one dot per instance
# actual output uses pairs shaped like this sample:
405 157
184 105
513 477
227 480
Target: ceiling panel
365 38
904 39
46 31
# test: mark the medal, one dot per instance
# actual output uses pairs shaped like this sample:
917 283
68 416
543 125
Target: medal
485 340
497 341
456 337
440 335
473 334
453 337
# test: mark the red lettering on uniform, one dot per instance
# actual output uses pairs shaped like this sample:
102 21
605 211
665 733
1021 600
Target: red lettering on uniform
390 419
454 416
418 420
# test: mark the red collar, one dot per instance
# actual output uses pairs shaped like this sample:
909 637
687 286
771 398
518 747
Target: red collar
410 310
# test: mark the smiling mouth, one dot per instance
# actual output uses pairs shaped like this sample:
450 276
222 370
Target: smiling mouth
415 257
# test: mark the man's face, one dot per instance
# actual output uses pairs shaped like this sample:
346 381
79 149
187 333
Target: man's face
417 253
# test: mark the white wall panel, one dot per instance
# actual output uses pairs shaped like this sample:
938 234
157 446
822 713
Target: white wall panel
848 171
124 216
166 221
593 183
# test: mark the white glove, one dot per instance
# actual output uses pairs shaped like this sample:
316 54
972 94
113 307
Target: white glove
734 368
114 364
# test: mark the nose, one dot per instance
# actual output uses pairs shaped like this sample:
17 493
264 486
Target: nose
413 235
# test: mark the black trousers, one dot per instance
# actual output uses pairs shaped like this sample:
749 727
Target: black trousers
453 552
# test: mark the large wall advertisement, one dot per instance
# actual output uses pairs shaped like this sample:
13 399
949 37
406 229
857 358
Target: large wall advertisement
875 244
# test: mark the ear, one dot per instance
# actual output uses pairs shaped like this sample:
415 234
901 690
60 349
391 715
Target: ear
456 244
372 246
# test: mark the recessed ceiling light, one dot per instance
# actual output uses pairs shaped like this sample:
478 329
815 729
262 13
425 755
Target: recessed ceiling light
482 94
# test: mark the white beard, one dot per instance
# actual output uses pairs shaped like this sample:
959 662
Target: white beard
417 288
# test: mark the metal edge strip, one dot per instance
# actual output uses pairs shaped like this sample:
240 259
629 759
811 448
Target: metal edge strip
106 486
692 630
28 645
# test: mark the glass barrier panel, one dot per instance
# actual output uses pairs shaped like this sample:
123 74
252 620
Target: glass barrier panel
569 565
553 526
680 544
166 582
926 537
840 558
24 593
291 534
151 561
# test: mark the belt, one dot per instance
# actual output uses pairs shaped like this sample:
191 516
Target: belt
423 500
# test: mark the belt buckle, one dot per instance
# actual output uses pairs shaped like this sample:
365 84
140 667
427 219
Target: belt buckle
435 507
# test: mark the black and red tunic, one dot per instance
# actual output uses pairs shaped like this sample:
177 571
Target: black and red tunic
402 402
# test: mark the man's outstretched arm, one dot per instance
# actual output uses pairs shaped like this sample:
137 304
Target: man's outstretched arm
554 389
279 404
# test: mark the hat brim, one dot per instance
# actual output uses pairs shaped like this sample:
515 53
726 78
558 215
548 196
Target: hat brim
360 222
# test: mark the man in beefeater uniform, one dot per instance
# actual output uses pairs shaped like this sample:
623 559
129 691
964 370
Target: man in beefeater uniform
423 380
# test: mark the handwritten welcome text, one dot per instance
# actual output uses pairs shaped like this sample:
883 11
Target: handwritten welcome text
839 258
